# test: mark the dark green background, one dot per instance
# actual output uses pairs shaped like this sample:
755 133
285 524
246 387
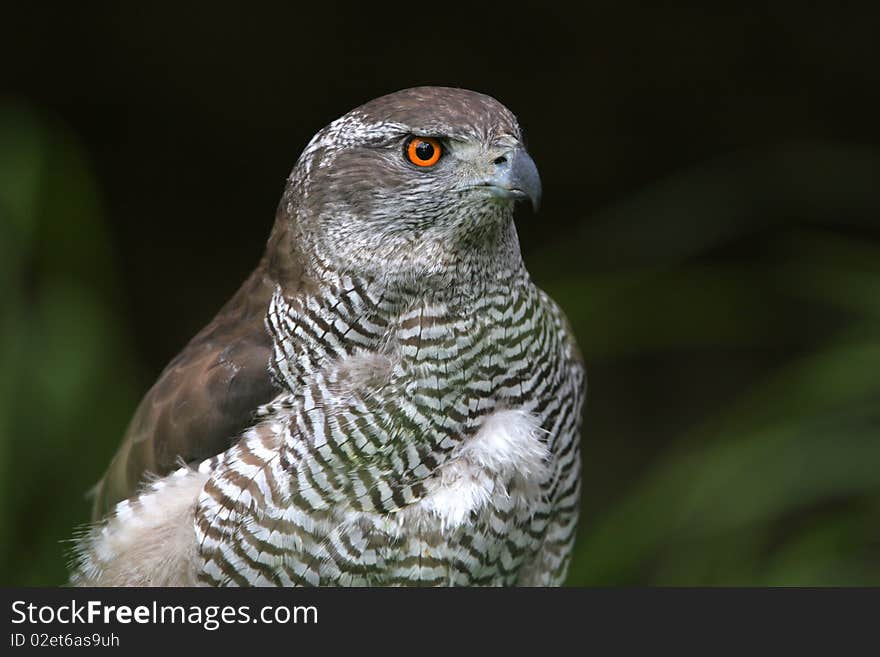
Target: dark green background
710 224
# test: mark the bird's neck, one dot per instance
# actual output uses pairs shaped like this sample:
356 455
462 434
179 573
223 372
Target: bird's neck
460 268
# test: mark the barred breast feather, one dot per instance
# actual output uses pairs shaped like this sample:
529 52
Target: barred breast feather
437 444
425 441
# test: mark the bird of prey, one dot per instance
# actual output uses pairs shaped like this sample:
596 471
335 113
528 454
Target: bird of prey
387 400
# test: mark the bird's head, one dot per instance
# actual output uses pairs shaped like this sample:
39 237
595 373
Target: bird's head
414 180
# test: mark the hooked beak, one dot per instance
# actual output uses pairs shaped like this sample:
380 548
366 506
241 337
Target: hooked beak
516 177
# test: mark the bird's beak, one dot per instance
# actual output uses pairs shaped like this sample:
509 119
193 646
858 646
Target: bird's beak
516 177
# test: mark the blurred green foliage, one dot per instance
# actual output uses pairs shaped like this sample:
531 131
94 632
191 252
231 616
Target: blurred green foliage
66 383
754 461
779 483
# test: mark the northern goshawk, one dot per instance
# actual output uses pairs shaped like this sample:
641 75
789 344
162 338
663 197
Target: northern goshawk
387 400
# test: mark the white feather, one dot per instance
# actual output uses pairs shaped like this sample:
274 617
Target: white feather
147 542
506 450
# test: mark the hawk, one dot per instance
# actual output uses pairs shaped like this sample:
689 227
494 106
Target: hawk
387 400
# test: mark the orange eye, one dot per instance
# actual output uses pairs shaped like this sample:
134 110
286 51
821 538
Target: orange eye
423 151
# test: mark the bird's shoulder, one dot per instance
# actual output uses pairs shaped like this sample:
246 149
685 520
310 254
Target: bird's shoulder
202 399
563 329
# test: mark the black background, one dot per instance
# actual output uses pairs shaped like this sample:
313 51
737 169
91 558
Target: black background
192 115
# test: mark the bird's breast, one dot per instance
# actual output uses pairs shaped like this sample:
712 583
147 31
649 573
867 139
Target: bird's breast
503 465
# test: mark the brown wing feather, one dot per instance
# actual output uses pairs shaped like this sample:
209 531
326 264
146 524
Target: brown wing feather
208 394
